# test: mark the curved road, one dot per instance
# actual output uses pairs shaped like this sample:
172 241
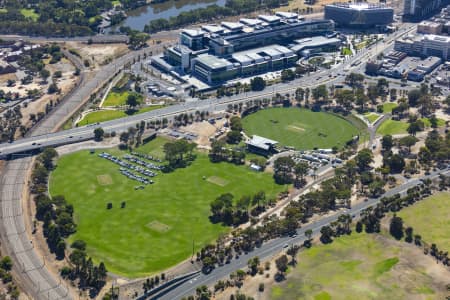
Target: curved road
35 278
28 266
42 137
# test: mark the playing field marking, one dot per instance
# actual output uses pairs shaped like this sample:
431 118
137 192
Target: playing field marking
217 180
295 128
158 226
104 179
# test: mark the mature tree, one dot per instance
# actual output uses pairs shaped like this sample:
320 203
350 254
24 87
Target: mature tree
408 141
287 75
45 74
409 235
98 134
320 93
396 227
53 88
387 142
47 157
257 84
253 264
282 264
234 137
413 97
354 79
326 234
415 127
132 100
395 162
292 252
308 234
363 159
301 170
283 170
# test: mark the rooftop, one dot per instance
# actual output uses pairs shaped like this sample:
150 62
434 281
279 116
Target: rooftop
251 22
286 15
269 18
359 5
213 61
261 142
193 32
232 25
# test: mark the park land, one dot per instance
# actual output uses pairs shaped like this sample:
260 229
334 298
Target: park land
159 224
431 219
364 266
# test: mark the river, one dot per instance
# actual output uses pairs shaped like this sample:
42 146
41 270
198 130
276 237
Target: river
137 18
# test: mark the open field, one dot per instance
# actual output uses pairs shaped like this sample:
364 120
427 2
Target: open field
108 115
300 128
392 127
362 266
371 117
158 225
400 127
389 106
116 99
431 219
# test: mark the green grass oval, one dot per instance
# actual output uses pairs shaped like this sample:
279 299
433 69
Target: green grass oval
300 128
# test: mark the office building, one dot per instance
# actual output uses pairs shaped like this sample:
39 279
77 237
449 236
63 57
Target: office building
359 14
425 45
429 27
216 53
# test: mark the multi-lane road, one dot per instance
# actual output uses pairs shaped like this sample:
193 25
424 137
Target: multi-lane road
35 278
275 246
43 137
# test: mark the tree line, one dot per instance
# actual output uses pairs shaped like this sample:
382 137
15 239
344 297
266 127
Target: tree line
58 224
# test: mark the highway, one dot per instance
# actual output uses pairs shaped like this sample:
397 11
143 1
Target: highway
28 265
30 268
43 137
275 246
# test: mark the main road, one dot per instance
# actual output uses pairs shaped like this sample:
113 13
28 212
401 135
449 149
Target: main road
275 246
44 138
29 266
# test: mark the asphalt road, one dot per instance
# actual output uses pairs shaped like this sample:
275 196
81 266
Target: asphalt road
275 246
29 268
28 265
44 138
34 277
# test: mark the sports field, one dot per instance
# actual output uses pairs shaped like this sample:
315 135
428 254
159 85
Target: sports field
362 266
431 219
156 228
300 128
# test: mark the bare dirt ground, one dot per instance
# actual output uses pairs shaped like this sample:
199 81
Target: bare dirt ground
5 77
204 130
98 55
